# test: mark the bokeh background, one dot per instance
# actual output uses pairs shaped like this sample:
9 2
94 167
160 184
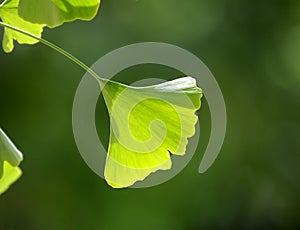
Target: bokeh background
253 49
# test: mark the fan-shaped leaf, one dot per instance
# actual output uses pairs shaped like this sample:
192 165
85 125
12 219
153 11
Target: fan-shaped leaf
147 125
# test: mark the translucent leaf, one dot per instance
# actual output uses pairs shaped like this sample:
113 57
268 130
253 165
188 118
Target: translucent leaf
147 125
10 175
55 12
10 158
9 15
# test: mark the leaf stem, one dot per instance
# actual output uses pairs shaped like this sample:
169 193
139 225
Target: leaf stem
56 48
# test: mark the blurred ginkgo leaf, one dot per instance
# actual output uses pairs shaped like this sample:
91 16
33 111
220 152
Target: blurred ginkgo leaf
55 12
9 15
32 15
10 158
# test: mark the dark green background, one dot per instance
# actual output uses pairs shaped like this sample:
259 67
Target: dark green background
253 49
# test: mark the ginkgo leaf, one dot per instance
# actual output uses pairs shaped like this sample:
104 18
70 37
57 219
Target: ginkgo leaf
147 125
10 158
9 15
55 12
10 175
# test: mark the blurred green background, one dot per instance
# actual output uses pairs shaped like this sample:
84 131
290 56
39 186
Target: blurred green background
253 49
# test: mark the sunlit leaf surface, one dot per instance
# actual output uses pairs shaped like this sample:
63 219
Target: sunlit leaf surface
10 158
9 15
56 12
147 125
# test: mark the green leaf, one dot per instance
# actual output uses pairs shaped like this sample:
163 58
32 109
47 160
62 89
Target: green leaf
9 15
55 12
147 125
10 175
10 158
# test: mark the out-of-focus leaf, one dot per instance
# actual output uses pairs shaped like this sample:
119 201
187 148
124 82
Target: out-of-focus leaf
55 12
10 158
9 15
10 175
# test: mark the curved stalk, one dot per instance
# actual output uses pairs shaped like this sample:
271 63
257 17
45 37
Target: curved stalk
56 48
